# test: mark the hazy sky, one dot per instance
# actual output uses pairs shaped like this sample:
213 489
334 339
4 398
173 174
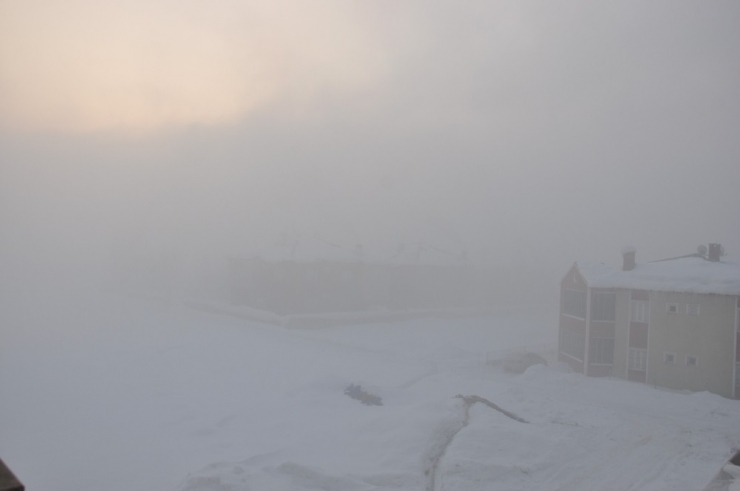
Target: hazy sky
530 133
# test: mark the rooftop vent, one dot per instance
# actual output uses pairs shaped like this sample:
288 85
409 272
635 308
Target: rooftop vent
628 258
715 252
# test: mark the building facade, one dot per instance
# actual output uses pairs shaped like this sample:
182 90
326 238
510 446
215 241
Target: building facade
326 278
671 323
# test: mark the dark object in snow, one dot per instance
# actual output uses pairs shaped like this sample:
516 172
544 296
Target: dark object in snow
518 362
8 481
356 392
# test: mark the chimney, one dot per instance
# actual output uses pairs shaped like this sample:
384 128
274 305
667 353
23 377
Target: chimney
715 252
628 258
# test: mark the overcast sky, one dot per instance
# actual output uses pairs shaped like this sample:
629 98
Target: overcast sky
532 134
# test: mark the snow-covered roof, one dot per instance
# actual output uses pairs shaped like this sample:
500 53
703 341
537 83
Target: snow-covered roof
685 274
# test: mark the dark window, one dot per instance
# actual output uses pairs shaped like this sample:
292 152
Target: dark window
601 351
574 303
603 306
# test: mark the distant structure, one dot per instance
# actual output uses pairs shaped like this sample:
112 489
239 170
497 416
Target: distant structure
671 323
315 276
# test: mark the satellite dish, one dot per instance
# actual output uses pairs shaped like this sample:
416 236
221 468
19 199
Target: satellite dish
702 250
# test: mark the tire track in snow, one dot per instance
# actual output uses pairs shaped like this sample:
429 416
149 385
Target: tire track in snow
433 470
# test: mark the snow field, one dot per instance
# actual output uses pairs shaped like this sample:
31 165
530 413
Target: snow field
120 394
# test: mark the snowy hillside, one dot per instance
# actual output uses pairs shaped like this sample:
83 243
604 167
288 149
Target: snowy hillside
121 394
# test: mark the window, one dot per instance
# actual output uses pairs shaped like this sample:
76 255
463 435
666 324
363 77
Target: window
692 309
692 361
574 344
671 308
669 358
639 311
603 306
574 303
601 351
637 359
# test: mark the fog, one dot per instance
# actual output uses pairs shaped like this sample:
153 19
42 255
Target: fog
532 135
157 140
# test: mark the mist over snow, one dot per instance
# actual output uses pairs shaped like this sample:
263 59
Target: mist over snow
163 165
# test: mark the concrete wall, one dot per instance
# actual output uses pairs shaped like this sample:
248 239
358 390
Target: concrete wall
708 336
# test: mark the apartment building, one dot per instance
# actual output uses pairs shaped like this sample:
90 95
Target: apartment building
671 323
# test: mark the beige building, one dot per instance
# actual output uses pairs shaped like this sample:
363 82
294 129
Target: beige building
672 323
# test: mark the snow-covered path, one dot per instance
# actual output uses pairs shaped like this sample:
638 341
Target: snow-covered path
120 394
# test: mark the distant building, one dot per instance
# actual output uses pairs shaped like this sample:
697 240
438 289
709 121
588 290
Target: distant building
315 276
672 323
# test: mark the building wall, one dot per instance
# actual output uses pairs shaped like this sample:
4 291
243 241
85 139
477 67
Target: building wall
737 350
295 287
621 334
570 325
376 286
709 336
600 331
712 337
638 330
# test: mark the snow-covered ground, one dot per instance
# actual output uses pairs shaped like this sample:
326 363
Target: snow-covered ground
104 393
